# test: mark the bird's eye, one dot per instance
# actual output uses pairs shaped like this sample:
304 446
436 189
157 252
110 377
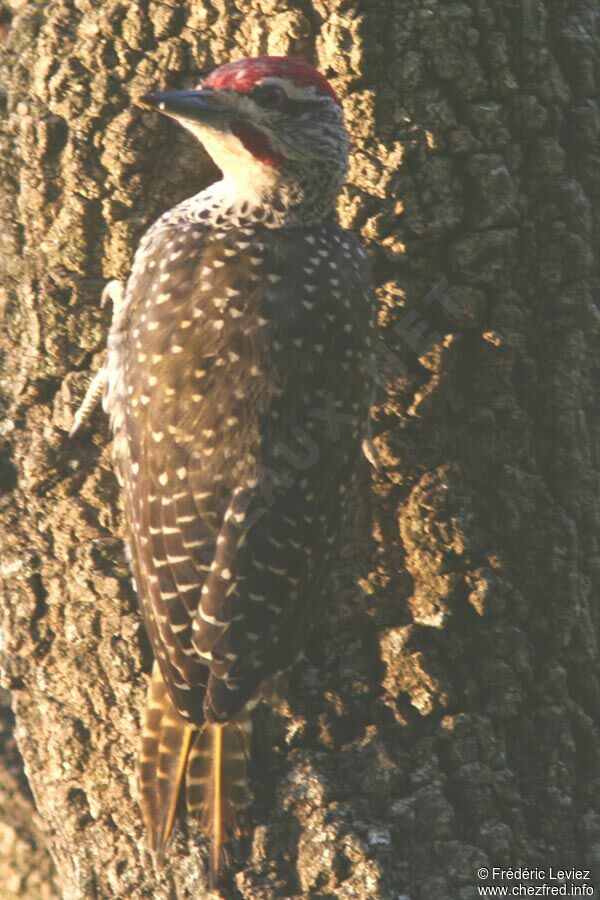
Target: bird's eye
270 96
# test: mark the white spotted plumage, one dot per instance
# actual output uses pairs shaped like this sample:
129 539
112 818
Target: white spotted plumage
241 344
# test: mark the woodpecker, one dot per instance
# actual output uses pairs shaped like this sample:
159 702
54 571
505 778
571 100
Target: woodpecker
238 384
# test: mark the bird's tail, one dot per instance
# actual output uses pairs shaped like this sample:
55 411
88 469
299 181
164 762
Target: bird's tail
164 750
212 762
216 782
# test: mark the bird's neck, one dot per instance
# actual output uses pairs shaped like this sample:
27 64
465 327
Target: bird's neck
227 203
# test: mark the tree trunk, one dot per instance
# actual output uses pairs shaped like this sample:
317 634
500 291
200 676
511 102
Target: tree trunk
446 718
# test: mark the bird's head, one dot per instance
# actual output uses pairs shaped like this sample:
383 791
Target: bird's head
273 125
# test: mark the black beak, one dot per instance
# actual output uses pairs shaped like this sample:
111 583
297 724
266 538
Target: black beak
195 106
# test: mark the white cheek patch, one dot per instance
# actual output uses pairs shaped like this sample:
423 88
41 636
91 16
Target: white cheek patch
238 165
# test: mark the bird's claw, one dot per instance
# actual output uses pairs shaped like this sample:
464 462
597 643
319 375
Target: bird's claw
371 453
114 292
92 398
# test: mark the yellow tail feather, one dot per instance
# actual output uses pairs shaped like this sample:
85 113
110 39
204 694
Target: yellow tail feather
216 783
166 740
217 812
212 760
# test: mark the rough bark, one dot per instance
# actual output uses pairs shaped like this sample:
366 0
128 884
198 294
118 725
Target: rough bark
447 715
25 866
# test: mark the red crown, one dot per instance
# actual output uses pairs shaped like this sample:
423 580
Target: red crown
243 74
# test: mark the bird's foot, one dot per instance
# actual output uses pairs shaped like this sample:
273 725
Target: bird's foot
114 292
92 398
371 453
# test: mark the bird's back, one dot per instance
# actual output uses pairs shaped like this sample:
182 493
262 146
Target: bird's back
243 356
